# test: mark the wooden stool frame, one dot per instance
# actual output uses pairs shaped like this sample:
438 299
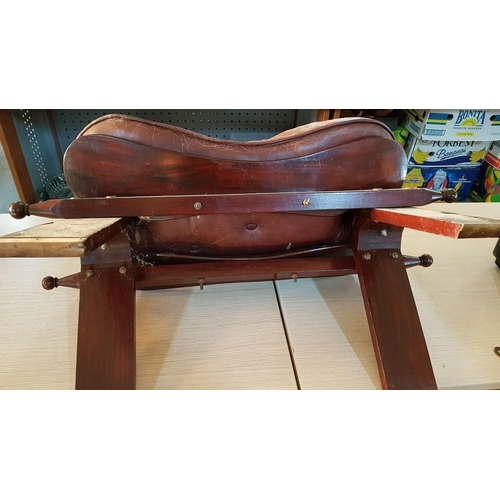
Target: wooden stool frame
110 274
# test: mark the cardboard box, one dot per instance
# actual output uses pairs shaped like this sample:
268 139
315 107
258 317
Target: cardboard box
493 155
459 178
438 153
453 124
487 185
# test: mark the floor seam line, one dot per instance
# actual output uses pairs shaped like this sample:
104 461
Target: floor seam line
290 351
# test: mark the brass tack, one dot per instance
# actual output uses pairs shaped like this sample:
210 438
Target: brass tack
395 255
89 272
367 256
123 270
306 202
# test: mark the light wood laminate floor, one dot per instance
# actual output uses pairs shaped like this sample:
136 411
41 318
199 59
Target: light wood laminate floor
233 337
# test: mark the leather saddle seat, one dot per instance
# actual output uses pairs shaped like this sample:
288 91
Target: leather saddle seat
119 155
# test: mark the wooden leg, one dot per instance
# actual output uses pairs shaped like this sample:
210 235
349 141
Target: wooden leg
106 357
496 253
399 343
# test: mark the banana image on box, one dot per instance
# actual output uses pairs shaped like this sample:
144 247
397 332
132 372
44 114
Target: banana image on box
420 156
477 156
442 154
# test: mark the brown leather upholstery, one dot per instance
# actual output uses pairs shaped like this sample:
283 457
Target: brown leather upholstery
218 235
124 156
298 142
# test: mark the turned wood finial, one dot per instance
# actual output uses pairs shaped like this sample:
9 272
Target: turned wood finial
449 195
49 283
426 260
18 210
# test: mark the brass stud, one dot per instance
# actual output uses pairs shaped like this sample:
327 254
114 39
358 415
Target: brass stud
395 255
201 282
198 206
89 272
294 277
367 256
306 202
123 270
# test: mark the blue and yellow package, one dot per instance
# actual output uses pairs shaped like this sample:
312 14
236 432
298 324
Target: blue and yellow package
459 178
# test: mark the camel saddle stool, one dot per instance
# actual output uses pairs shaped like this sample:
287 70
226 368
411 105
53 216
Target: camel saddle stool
167 207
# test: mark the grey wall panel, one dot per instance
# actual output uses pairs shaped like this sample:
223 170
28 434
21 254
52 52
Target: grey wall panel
238 124
305 116
39 146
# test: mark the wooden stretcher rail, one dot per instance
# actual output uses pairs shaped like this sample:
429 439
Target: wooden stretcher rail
201 274
229 203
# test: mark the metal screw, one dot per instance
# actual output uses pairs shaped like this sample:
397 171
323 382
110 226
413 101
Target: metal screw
201 282
306 202
294 277
104 246
89 272
367 256
198 206
395 255
383 232
123 270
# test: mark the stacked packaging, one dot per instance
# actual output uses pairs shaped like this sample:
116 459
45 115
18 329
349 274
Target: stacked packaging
447 148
